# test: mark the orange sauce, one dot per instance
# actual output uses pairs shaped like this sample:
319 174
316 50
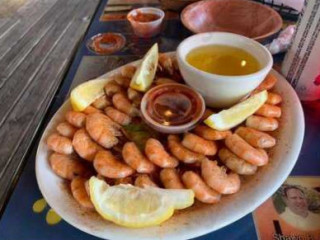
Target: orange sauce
145 17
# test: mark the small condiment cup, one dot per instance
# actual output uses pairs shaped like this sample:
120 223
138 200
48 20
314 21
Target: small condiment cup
218 90
146 29
196 111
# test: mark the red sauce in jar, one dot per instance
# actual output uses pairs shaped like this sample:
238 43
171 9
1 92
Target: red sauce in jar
144 17
173 104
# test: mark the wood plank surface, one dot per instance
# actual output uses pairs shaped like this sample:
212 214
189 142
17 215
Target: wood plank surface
34 53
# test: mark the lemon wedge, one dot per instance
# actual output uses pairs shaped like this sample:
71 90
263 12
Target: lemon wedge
85 94
227 119
144 75
134 207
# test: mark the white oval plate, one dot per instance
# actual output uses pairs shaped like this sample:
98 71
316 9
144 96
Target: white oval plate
200 218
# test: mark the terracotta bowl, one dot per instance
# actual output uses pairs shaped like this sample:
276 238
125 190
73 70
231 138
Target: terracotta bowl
247 18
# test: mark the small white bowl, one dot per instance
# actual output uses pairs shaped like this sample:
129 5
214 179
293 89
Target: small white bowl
146 29
217 90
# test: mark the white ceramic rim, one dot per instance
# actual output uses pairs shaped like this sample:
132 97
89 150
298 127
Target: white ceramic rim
272 185
158 11
171 129
262 71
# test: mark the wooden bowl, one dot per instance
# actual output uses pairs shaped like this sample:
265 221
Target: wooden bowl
247 18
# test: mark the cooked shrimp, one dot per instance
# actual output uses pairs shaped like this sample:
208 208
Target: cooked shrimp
108 166
267 83
117 116
79 192
199 145
60 144
126 180
202 192
211 134
245 151
235 163
180 152
112 88
217 178
166 63
124 105
76 119
89 110
158 155
274 98
122 81
128 71
267 110
101 102
102 129
66 129
160 81
84 145
206 114
171 179
66 166
143 180
134 96
256 138
262 123
135 159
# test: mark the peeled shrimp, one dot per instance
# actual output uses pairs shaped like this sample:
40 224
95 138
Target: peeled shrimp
202 192
256 138
102 129
217 178
84 145
123 104
245 151
101 102
182 153
235 163
211 134
206 114
66 129
112 88
79 192
117 116
108 166
262 123
135 159
126 180
122 81
267 83
267 110
60 144
166 63
128 71
76 119
171 179
158 155
89 110
274 98
199 145
143 180
66 166
134 96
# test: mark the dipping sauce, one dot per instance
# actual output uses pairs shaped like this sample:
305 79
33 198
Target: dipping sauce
174 104
144 17
223 60
106 43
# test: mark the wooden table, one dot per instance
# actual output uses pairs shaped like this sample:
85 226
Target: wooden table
37 41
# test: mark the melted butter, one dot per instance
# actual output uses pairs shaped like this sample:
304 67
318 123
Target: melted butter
52 217
39 205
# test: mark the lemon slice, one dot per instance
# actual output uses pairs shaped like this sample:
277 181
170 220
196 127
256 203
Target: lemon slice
144 75
131 206
85 94
233 116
